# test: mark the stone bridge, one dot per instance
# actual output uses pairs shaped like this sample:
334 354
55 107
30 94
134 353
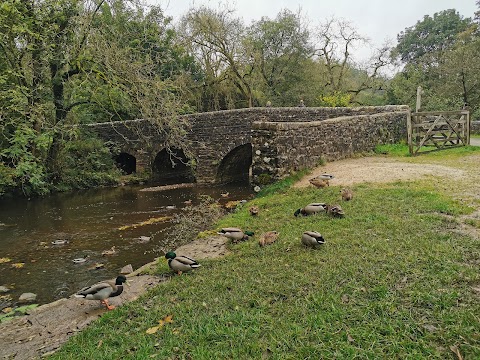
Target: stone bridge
259 145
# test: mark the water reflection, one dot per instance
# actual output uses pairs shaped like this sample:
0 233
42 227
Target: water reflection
89 222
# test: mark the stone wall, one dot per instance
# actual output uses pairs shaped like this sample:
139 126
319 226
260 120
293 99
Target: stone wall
279 148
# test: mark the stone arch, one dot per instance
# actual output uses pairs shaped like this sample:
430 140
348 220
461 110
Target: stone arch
235 166
126 162
171 167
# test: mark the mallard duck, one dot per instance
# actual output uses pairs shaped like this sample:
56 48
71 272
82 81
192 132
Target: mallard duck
311 209
180 264
254 210
102 291
112 251
335 210
319 183
268 238
347 194
81 260
235 234
312 239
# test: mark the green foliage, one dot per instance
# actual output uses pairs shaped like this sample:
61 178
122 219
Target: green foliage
86 162
432 34
337 99
264 179
441 55
70 62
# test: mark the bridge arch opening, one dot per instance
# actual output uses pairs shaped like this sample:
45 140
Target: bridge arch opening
235 166
171 167
126 162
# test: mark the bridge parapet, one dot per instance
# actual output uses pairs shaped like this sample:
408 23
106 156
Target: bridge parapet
282 147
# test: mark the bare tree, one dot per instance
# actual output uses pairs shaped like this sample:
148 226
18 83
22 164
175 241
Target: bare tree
216 39
335 40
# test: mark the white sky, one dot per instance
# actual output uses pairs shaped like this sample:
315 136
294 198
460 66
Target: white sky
379 20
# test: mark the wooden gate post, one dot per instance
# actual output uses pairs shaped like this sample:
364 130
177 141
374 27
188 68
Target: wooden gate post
409 133
419 99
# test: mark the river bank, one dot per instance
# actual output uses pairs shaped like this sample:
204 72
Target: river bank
241 298
47 327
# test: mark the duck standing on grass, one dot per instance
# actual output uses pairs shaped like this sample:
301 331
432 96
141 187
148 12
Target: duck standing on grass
180 264
102 291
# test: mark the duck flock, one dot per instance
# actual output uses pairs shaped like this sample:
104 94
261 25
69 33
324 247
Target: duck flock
180 263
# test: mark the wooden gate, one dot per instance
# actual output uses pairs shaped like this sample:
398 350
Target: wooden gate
438 129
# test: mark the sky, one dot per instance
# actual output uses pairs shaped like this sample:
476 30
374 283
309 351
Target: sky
378 20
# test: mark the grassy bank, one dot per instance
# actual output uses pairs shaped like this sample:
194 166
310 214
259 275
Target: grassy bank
393 280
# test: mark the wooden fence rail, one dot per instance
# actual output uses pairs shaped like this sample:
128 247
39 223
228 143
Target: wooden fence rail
437 129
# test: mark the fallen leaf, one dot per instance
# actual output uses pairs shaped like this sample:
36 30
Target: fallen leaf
166 320
5 260
18 265
152 330
350 338
99 343
455 350
7 310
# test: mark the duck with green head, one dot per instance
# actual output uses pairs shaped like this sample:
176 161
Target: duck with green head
312 239
103 291
235 234
311 209
181 264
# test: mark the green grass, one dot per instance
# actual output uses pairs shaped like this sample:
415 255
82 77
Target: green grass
401 150
392 282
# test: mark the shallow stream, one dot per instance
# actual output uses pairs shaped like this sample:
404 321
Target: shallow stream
91 222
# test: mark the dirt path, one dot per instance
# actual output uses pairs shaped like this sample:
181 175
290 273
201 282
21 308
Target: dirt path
47 327
379 169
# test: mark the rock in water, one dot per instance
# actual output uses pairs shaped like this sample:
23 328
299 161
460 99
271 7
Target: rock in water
27 297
